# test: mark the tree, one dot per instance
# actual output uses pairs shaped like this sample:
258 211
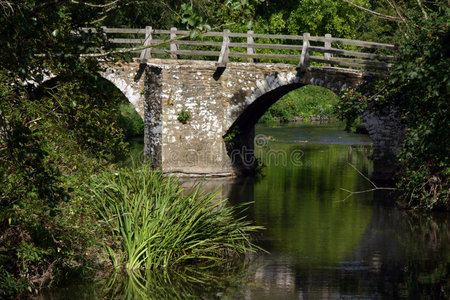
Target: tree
314 16
419 85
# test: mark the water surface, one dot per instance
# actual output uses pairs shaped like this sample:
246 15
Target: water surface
323 243
326 245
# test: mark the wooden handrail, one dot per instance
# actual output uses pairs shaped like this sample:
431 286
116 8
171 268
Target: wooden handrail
222 47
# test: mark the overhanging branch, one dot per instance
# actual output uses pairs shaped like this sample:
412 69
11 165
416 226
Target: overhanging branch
383 16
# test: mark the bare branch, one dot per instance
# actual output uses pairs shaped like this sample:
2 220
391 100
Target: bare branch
95 5
364 176
375 187
398 12
425 15
6 5
169 8
387 17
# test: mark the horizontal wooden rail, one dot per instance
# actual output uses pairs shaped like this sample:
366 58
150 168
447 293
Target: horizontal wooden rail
252 46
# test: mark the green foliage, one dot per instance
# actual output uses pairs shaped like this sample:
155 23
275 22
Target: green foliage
354 101
378 29
184 116
314 16
197 16
319 17
304 103
418 84
130 121
231 137
155 225
50 143
51 139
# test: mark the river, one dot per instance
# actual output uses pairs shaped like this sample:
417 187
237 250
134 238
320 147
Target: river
323 243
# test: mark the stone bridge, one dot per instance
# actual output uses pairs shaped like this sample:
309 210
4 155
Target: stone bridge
223 105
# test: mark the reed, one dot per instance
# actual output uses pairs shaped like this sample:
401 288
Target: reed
155 225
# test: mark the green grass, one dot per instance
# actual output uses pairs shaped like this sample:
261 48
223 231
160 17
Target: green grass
152 224
130 121
304 103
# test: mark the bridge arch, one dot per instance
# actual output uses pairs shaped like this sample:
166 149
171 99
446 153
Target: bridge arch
126 78
239 137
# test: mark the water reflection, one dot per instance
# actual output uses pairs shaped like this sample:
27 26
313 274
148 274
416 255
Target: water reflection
187 283
320 246
323 247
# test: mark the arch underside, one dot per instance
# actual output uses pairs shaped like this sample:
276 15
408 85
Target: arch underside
252 113
242 131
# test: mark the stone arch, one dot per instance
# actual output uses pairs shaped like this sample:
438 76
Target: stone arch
127 79
259 95
275 85
239 138
241 131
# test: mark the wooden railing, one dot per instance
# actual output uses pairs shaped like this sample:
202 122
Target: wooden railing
228 46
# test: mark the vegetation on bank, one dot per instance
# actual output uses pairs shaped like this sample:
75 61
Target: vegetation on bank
54 136
51 145
306 103
419 86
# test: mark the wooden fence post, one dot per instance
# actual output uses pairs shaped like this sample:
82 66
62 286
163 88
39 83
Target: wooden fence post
250 50
328 46
173 46
147 53
223 58
304 58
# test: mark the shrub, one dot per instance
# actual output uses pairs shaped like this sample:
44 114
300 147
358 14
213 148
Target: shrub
417 85
49 147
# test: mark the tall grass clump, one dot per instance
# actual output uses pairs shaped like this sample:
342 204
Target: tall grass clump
152 224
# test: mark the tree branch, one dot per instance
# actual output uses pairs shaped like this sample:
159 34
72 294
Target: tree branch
425 15
6 5
399 14
95 5
375 187
390 18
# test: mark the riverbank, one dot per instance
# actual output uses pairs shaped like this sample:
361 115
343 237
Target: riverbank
309 103
124 218
65 214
